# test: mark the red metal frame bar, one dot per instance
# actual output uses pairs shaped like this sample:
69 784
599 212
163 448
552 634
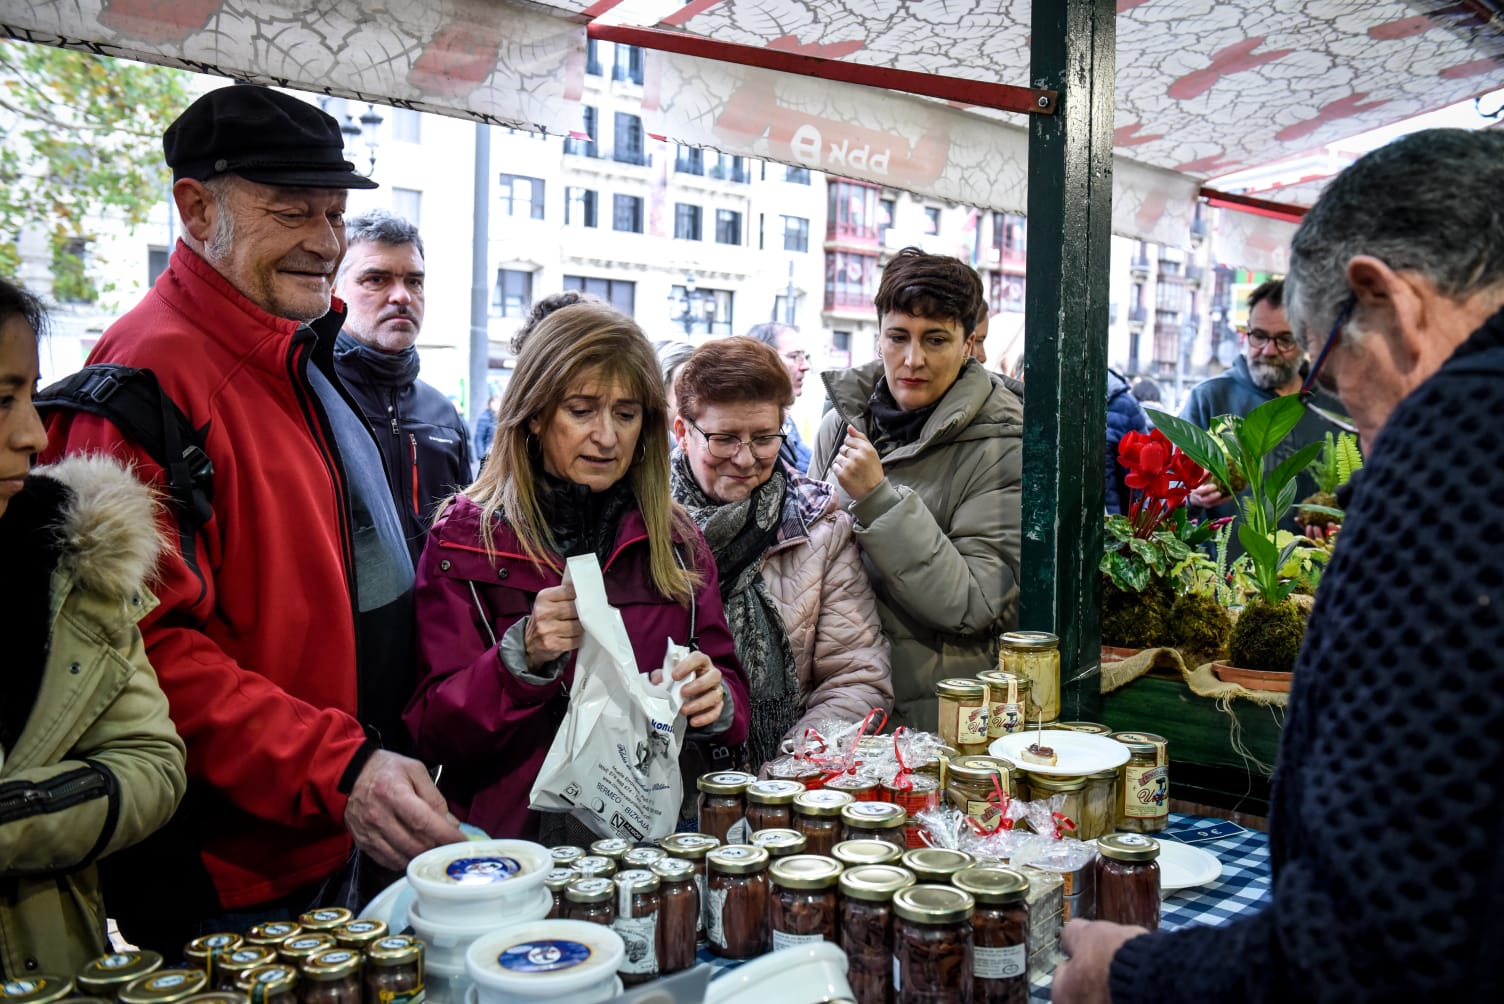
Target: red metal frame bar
1250 204
1005 97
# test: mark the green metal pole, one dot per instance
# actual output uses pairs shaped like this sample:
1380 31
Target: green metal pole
1072 47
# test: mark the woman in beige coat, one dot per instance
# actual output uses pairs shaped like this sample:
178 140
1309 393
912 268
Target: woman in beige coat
927 449
799 604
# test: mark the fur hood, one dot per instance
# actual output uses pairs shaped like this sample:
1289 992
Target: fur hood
108 526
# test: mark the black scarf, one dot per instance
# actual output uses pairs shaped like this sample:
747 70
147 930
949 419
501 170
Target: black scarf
892 426
580 520
381 369
32 544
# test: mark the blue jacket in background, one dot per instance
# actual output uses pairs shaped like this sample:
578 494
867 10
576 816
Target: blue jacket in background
1124 415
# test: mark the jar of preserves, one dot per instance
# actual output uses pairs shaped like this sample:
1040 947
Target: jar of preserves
770 804
963 714
914 793
863 789
1145 784
331 977
935 864
974 786
817 815
736 901
679 914
642 857
205 951
360 933
866 928
1128 879
556 881
1046 786
41 988
852 853
1035 654
231 966
638 903
614 848
804 902
1099 805
302 946
165 986
780 843
325 918
274 984
591 899
594 866
692 847
722 801
932 945
107 974
272 933
1090 728
1000 933
565 855
795 769
1007 702
875 821
394 971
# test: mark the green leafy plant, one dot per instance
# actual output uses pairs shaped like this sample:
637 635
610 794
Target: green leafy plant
1340 458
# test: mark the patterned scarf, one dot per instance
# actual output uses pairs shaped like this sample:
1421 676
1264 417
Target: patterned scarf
739 534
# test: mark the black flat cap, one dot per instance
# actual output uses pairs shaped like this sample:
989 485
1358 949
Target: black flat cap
262 135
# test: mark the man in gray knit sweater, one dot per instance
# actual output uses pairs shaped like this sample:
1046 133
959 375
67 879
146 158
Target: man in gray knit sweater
1384 820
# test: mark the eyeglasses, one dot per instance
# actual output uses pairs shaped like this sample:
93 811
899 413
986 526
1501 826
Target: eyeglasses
724 446
1308 386
797 356
1284 342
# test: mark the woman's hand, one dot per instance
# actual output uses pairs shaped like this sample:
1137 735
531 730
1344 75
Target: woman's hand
857 468
702 695
554 627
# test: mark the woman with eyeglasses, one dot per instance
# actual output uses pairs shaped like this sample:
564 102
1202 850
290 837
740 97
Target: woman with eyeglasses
801 608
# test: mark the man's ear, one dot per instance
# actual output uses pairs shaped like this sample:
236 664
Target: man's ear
196 208
1391 304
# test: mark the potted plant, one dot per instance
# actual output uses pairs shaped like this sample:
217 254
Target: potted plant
1267 634
1340 458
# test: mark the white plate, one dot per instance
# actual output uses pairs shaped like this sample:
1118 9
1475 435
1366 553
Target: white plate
1182 866
1075 752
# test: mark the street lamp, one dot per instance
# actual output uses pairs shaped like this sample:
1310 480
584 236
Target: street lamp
355 129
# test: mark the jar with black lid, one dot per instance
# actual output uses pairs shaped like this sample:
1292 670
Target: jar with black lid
360 933
165 986
104 976
679 914
274 984
556 881
935 864
932 945
638 905
325 918
804 903
205 951
1128 879
394 971
722 801
692 847
272 933
38 988
866 928
1144 792
591 899
963 714
642 857
331 977
736 901
231 966
852 853
817 815
594 866
614 848
770 804
1000 933
780 843
303 946
565 855
875 821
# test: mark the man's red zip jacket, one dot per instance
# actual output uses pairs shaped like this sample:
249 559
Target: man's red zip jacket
259 659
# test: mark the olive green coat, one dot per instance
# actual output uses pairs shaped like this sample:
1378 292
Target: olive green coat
940 535
98 765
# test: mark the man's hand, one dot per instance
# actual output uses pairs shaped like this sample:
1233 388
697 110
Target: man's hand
857 467
702 695
1207 495
1090 945
554 627
395 813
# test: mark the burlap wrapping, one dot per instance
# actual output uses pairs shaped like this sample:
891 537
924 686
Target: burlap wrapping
1202 680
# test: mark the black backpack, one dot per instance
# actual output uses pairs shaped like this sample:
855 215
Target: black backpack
135 403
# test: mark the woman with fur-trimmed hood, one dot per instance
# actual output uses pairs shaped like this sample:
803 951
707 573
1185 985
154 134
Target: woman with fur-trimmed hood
89 760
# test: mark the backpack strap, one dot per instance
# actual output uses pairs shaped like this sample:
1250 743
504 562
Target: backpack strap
133 401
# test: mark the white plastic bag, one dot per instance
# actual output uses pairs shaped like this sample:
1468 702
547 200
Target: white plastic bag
614 763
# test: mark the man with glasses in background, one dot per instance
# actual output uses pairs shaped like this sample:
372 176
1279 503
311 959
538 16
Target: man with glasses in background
1273 364
1396 715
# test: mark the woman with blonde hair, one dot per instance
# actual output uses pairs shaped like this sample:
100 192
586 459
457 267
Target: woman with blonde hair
579 465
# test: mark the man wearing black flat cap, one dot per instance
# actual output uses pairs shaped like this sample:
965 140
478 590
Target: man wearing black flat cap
285 643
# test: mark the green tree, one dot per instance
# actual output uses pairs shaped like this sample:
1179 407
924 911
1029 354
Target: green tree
80 139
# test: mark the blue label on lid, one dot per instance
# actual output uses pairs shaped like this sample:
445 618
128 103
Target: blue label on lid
550 956
167 982
116 961
482 871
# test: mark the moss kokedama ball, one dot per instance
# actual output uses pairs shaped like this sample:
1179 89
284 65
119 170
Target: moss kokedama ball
1135 620
1267 638
1199 624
